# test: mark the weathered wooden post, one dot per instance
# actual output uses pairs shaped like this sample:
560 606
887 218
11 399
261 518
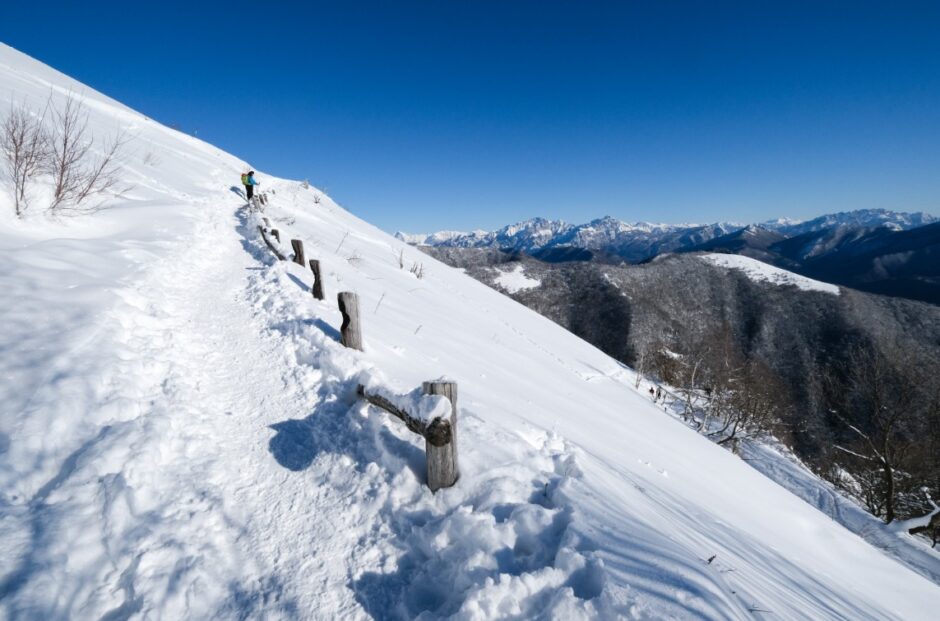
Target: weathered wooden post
277 235
351 329
273 248
440 440
298 247
317 279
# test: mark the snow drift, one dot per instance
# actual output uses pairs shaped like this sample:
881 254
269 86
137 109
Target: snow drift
180 435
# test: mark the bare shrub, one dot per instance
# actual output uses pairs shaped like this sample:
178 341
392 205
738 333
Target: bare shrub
25 150
77 174
418 270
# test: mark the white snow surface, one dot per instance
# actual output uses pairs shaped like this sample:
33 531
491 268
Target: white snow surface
760 271
419 406
180 436
515 280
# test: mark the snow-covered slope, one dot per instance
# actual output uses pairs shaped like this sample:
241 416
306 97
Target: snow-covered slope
760 271
515 280
180 436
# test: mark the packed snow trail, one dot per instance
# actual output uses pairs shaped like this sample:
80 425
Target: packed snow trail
201 517
180 437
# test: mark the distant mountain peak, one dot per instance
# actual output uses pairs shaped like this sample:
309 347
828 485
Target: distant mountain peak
641 241
863 218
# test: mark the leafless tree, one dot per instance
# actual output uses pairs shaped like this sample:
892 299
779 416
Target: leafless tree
77 173
884 413
722 365
756 404
25 148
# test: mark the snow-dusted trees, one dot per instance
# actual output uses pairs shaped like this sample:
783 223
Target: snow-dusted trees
887 405
721 388
57 146
758 403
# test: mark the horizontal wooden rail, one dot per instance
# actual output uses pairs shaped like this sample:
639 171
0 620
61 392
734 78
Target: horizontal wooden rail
273 248
413 424
440 435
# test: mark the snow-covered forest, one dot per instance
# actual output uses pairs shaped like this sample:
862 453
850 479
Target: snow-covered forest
181 435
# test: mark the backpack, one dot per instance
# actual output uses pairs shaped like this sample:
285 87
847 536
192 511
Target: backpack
244 179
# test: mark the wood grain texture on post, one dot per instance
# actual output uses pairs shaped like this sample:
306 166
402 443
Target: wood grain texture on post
440 440
351 329
317 279
298 247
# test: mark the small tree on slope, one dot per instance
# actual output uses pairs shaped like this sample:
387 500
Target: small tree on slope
25 147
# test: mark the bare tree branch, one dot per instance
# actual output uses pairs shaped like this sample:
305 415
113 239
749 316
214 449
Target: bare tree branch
24 144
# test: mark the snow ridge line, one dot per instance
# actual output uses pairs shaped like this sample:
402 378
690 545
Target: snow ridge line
503 543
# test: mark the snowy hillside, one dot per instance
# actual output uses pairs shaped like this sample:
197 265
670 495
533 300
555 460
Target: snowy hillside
180 436
757 270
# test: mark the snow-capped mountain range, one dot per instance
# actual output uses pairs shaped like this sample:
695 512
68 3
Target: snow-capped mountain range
641 240
875 250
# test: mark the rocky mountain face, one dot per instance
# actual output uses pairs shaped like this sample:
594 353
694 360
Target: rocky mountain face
879 251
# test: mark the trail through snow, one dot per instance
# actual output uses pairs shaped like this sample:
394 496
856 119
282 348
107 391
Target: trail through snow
305 525
180 436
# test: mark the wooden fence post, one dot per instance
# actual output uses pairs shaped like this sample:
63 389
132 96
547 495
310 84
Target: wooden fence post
440 441
277 235
351 329
317 279
273 248
298 247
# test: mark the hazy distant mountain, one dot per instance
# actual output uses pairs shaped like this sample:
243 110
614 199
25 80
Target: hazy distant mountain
861 218
902 263
752 241
642 240
883 259
609 236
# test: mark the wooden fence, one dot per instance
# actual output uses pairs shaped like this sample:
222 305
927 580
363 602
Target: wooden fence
440 434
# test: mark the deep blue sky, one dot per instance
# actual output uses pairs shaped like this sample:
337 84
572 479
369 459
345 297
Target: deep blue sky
452 114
